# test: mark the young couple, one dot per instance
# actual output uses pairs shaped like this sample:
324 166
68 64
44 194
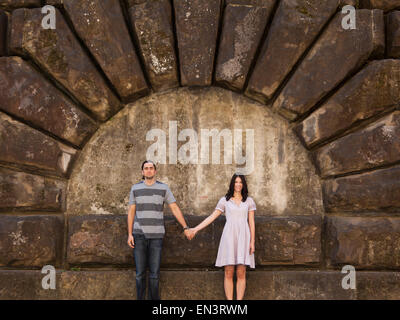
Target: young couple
146 231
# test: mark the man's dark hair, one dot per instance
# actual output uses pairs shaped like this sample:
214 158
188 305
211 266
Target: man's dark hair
244 191
148 161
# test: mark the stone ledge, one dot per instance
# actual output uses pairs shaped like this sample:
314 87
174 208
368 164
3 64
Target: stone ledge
102 240
199 285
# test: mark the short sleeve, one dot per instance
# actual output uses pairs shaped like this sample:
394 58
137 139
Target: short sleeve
221 204
252 204
169 197
132 199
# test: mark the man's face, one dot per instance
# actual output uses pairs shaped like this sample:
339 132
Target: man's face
148 171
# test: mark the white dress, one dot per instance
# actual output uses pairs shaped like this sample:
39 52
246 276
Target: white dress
234 246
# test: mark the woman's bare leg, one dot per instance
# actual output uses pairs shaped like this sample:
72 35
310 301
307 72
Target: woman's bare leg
228 282
240 281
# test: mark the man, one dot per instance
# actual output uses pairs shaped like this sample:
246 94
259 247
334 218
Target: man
146 200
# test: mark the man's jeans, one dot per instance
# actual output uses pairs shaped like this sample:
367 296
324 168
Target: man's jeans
147 253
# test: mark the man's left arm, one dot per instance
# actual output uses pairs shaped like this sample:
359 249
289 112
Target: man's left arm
178 214
170 199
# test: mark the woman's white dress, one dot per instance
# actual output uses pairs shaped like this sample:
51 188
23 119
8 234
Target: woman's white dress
234 246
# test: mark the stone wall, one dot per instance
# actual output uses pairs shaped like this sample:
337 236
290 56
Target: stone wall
76 102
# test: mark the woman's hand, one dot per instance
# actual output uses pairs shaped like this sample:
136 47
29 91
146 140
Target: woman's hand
252 247
191 233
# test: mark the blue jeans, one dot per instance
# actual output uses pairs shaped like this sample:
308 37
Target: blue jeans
147 252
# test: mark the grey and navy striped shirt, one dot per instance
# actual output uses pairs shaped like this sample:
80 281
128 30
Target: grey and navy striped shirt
149 200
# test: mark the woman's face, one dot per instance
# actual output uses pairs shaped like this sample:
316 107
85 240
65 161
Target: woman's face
238 184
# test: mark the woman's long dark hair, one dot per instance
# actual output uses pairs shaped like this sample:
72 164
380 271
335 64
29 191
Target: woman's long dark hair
231 190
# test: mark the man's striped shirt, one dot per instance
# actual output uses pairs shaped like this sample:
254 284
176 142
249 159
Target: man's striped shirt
149 200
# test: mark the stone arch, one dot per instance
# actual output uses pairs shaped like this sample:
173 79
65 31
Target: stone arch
338 90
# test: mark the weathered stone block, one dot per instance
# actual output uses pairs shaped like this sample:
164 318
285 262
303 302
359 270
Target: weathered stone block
242 29
41 104
57 3
364 243
336 54
152 23
393 34
131 3
295 25
378 285
3 33
354 3
30 241
192 285
98 239
307 285
59 53
12 4
288 241
102 27
279 241
28 147
259 3
97 285
385 5
102 240
371 91
23 191
367 192
197 23
377 144
70 285
19 284
200 251
199 285
95 239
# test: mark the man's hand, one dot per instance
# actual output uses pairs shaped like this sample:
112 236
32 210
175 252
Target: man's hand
131 241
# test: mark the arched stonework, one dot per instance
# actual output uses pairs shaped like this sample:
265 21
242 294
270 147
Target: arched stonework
279 173
337 89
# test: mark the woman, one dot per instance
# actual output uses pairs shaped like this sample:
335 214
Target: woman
236 247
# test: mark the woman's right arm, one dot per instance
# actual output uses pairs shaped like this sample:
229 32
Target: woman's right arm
207 220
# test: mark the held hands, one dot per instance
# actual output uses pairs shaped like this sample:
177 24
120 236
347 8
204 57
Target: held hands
190 233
